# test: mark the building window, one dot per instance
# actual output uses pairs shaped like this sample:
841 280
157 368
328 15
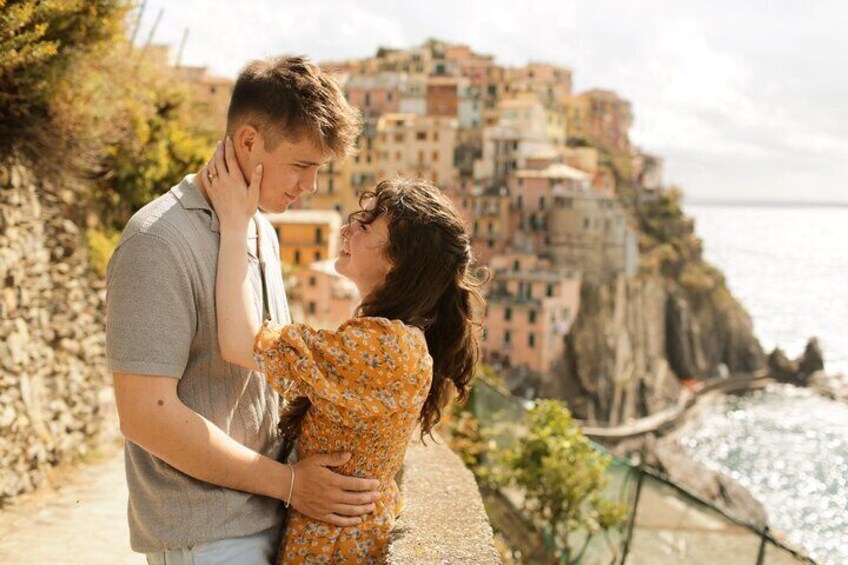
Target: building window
312 307
435 136
297 257
549 290
398 138
435 156
516 265
420 157
519 203
531 340
312 281
507 336
541 203
367 99
507 314
531 316
421 136
319 236
586 223
317 255
489 227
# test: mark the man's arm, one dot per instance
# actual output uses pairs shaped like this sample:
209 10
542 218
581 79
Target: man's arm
153 417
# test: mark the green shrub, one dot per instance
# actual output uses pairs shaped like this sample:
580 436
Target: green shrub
562 477
101 245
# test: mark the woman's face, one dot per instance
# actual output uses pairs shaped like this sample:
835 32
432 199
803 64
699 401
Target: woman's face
362 258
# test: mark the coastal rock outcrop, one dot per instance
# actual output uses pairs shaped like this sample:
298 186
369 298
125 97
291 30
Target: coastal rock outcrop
635 338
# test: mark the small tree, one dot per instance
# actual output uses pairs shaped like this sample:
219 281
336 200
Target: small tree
562 478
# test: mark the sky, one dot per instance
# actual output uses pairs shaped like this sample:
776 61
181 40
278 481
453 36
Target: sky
745 100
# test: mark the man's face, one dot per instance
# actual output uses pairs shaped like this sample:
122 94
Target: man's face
289 170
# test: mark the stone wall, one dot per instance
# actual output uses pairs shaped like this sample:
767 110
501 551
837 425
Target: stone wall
53 383
443 518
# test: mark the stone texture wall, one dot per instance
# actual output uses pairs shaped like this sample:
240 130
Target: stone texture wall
54 393
443 518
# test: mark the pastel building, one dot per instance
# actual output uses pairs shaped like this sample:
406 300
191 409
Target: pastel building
417 145
592 231
328 299
491 228
307 236
375 94
600 117
532 193
530 308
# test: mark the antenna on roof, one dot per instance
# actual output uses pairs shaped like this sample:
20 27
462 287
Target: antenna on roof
150 35
137 23
182 48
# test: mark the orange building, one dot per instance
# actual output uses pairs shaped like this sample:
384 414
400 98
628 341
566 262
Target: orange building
443 96
307 236
600 117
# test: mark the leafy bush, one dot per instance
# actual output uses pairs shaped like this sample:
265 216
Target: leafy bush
90 110
39 41
562 477
101 245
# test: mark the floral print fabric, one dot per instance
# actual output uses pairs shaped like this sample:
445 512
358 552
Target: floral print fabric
367 381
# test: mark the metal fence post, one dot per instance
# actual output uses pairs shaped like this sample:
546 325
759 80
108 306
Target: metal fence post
761 555
632 521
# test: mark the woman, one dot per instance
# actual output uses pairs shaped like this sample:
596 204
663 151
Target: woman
364 387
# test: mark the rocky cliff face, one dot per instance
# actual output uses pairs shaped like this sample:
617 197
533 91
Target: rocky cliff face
634 339
53 384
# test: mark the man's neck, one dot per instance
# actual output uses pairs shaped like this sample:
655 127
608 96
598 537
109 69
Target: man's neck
201 188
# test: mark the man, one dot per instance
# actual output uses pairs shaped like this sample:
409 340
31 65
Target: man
202 443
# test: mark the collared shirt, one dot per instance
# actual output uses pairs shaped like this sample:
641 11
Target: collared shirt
161 322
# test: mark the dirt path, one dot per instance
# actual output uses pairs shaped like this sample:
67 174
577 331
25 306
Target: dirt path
80 517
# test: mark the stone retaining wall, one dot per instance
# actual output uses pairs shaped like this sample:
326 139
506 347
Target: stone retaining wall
53 383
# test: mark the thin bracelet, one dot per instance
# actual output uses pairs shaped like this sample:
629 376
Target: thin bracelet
291 488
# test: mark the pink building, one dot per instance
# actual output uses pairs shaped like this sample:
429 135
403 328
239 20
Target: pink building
375 94
328 298
530 308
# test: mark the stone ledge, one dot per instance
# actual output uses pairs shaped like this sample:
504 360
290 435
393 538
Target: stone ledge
443 518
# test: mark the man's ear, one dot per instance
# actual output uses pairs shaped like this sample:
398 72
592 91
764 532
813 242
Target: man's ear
246 138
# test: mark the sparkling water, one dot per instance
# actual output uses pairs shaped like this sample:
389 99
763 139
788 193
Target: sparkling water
789 447
789 268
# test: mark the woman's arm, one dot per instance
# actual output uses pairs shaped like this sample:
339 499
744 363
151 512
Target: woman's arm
235 205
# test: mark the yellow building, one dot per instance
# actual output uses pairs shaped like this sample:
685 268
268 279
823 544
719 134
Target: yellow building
307 236
417 145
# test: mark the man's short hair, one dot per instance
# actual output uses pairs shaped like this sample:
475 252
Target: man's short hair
291 98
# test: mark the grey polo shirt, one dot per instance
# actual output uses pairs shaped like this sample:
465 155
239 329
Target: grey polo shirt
161 321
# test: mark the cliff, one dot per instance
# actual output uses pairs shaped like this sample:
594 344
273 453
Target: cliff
635 338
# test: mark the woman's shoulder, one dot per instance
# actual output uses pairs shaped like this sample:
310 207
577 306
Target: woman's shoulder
384 329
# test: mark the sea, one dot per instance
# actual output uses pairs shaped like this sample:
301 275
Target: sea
788 266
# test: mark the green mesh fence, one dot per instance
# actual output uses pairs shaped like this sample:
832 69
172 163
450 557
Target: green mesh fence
667 524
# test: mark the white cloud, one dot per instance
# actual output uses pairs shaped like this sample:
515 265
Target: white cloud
742 99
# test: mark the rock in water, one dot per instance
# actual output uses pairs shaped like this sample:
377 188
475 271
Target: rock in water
812 360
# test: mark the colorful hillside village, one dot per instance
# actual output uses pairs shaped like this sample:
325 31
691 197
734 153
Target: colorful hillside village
546 179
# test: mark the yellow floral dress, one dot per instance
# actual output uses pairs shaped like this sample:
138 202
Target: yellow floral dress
367 381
